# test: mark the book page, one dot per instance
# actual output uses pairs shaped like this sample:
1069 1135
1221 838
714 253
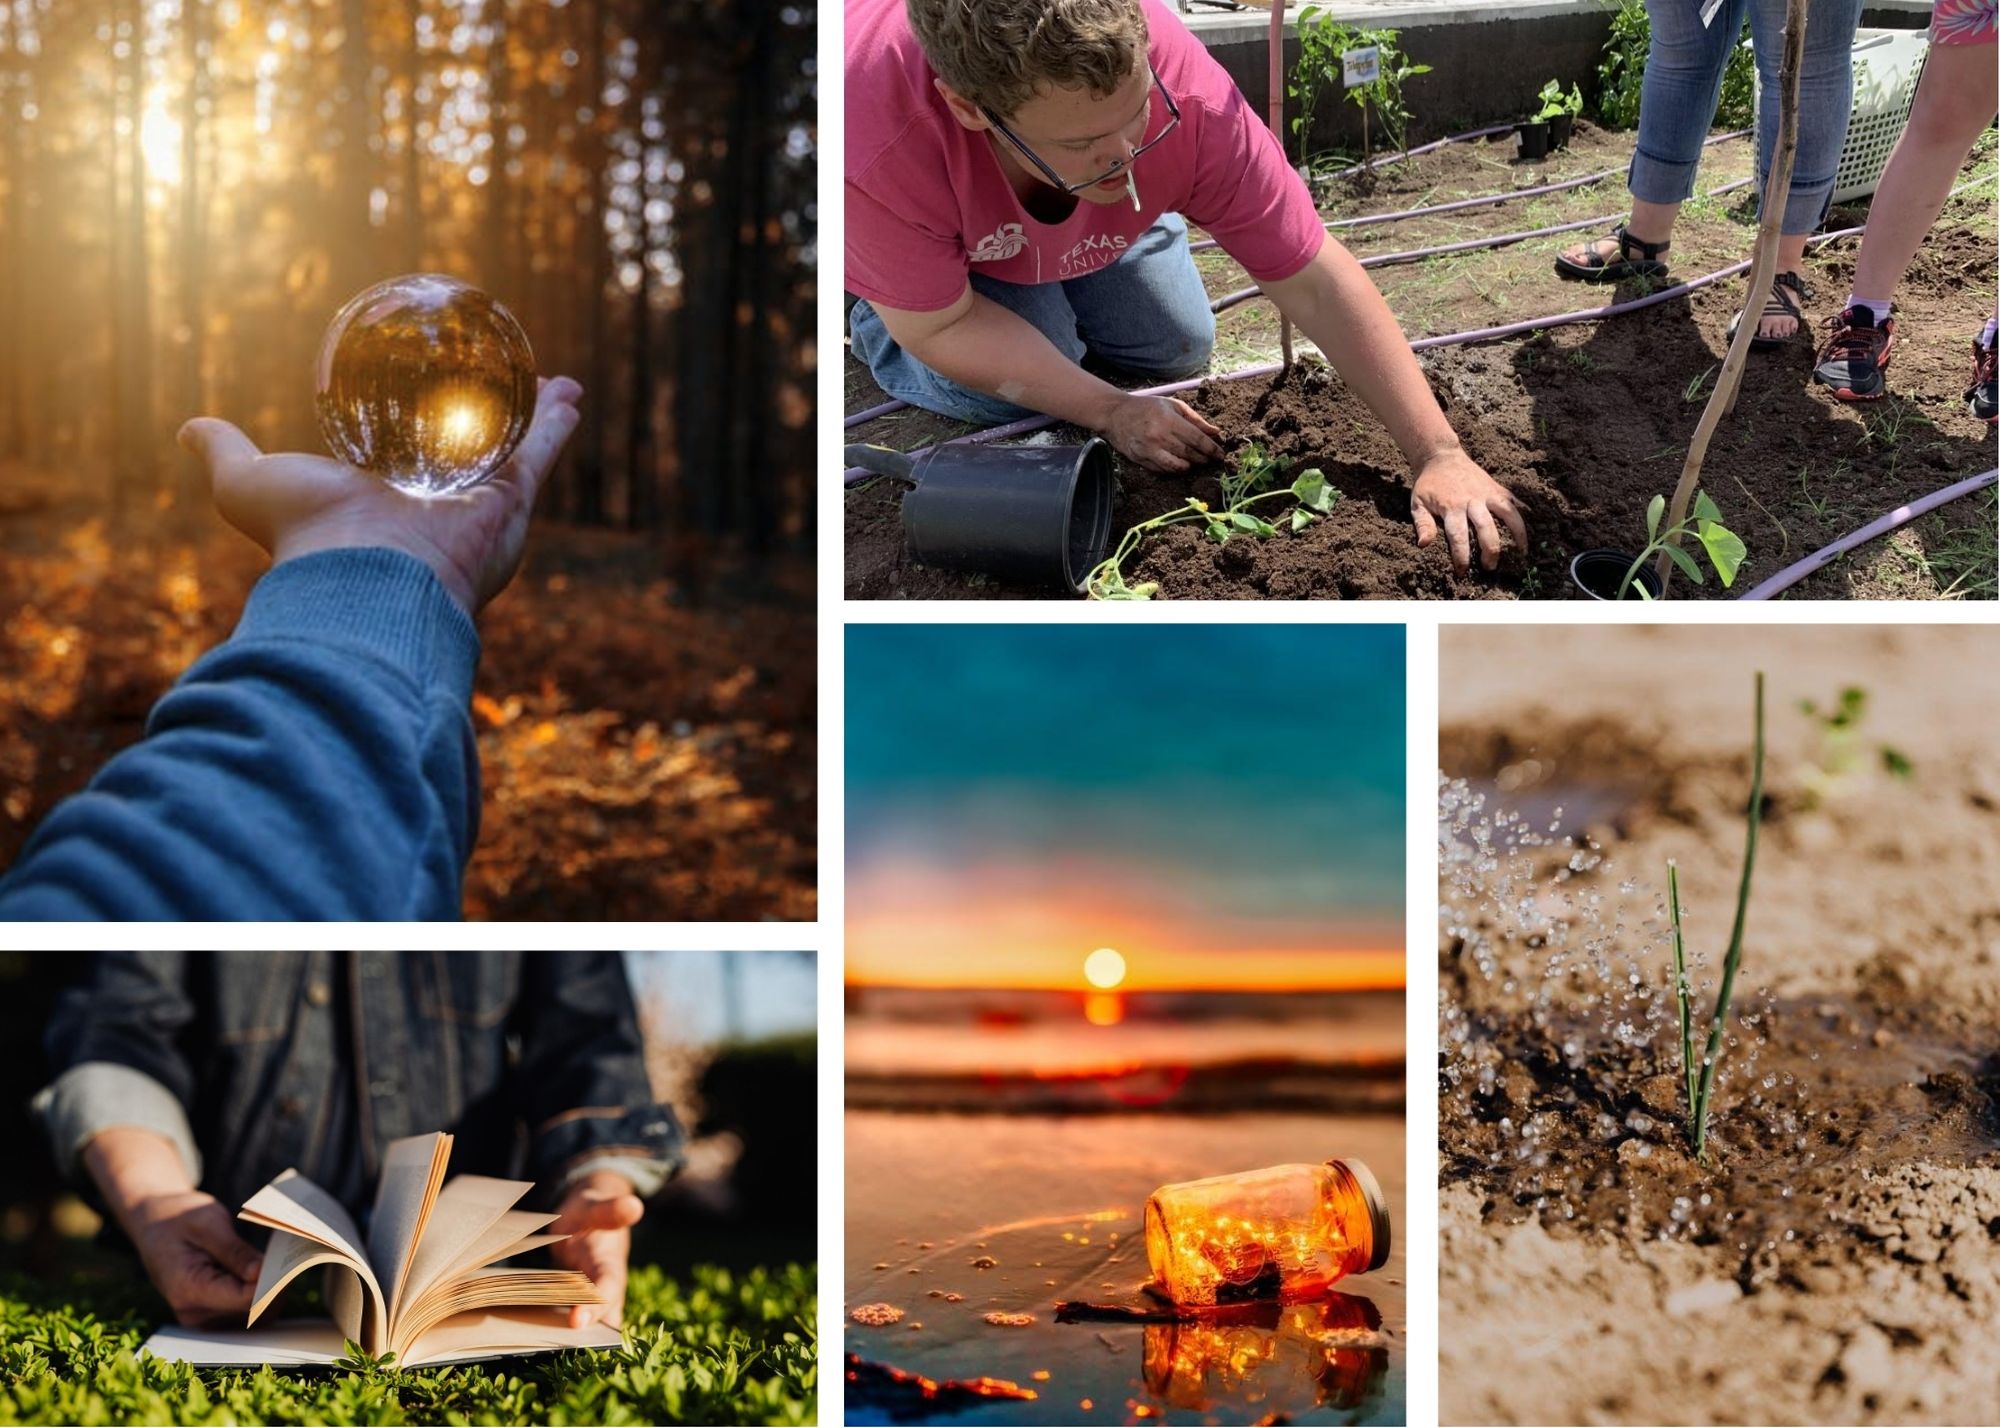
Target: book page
292 1343
411 1175
467 1208
494 1289
293 1207
486 1333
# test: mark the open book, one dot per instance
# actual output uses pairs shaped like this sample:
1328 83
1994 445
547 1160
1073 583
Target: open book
425 1286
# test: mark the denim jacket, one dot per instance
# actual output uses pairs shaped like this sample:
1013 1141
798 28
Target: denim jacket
254 1062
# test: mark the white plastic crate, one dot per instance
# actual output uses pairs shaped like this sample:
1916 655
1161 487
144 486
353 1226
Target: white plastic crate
1887 64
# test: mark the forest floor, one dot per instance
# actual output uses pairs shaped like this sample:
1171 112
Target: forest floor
648 744
1584 422
1833 1258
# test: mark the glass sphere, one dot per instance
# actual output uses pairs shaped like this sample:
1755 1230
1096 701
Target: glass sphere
425 381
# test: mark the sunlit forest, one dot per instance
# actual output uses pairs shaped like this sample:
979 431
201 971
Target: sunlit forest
189 190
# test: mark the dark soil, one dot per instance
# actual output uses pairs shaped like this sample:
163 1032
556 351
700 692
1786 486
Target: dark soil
1585 424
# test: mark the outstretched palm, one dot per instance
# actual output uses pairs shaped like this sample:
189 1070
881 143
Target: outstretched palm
293 504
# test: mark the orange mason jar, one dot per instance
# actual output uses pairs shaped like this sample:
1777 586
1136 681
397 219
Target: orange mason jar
1288 1232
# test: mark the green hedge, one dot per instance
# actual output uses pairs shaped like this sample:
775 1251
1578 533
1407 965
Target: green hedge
724 1348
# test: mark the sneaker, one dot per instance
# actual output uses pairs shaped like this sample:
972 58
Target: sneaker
1980 398
1855 355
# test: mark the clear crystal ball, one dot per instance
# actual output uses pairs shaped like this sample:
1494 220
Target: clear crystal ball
425 381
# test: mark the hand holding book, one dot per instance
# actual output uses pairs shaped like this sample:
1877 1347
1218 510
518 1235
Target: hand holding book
426 1286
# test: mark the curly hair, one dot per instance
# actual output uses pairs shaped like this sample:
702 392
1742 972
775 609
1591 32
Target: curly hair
1002 53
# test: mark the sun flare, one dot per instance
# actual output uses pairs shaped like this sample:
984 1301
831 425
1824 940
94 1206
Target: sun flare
1104 968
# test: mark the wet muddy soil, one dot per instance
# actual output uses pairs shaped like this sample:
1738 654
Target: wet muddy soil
1836 1258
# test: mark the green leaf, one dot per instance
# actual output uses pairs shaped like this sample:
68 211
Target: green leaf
1244 521
1301 518
1897 764
1725 549
1313 492
1706 509
1655 508
1685 561
1218 532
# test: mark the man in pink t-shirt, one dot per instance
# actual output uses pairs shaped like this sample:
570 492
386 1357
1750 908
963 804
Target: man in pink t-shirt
1020 177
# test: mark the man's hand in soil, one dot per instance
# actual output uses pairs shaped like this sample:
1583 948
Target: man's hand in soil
186 1239
294 504
598 1214
1163 433
1451 490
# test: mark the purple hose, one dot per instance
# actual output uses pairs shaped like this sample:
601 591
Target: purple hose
1881 526
873 412
1488 132
1485 201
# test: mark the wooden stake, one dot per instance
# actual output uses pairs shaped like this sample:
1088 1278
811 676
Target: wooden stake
1277 47
1763 265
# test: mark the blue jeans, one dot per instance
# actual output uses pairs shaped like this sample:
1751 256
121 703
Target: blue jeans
1684 83
1146 314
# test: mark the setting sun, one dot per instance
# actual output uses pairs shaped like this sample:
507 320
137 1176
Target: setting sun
1104 968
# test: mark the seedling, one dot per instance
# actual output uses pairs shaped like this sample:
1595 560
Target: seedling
1700 1080
1322 42
1555 103
1725 548
1842 746
1242 488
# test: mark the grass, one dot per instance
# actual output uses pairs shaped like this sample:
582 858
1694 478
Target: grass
1701 1086
720 1348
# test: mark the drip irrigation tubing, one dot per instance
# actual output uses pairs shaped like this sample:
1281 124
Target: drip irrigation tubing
1880 526
1483 201
869 415
1499 240
1396 158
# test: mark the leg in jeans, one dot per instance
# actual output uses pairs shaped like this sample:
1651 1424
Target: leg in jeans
1683 83
1826 97
901 375
1147 314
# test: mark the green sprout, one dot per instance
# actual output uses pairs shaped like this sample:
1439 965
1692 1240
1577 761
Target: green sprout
1242 487
1842 746
1724 547
1700 1080
1555 103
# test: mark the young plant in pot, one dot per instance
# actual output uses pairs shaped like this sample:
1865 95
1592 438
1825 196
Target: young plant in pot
1561 110
1614 575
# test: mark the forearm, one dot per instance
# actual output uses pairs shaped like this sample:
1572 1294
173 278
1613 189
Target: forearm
131 1166
324 751
1004 355
1335 304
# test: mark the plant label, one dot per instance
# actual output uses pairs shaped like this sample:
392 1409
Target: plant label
1362 66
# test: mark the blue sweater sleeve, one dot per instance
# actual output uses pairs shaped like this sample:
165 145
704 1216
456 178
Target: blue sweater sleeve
318 764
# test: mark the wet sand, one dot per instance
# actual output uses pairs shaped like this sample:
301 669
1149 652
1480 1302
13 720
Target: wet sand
1055 1203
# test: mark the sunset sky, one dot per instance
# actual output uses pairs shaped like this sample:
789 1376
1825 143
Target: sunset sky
1221 804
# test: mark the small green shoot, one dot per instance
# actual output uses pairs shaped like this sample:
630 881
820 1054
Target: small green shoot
1724 547
1700 1077
1555 103
1242 487
1843 746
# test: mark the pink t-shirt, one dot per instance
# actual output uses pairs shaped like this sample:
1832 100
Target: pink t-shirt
927 199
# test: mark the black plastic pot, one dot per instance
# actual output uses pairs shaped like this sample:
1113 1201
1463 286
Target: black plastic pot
1033 515
1598 572
1534 138
1560 128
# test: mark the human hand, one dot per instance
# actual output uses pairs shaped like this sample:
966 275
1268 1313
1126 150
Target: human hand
294 504
1452 488
1163 433
185 1238
597 1214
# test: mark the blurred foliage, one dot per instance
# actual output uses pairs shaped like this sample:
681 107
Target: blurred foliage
721 1348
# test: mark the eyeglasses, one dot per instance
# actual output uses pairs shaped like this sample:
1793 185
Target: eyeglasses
1173 119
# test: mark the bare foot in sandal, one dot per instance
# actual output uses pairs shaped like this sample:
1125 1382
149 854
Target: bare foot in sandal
1783 312
1619 255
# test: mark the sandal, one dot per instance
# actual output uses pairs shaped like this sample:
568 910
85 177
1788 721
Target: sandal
1601 267
1778 304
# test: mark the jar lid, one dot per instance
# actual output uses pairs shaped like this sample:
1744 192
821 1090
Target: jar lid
1378 1209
